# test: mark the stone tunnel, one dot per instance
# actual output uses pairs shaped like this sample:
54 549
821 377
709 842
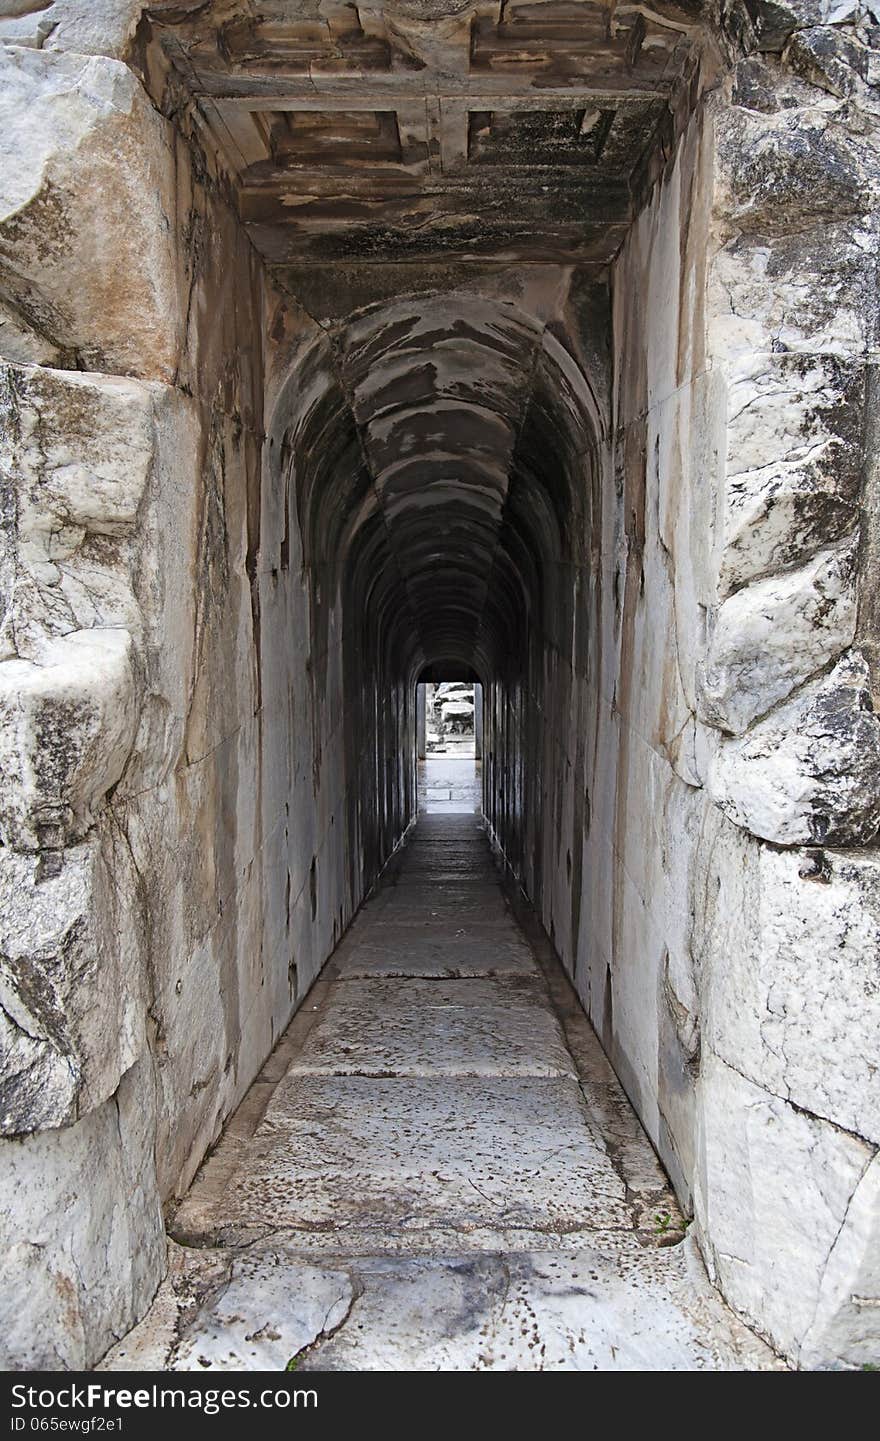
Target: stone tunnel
529 342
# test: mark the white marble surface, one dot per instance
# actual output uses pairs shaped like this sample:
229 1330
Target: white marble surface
566 1310
413 1027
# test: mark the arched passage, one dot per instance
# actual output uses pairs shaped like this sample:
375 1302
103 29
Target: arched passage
441 457
346 344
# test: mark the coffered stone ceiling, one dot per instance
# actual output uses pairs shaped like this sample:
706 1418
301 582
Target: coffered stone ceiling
415 131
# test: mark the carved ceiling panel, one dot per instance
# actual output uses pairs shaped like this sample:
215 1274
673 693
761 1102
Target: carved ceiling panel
399 131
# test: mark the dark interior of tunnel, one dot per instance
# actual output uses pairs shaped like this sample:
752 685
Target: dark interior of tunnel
443 453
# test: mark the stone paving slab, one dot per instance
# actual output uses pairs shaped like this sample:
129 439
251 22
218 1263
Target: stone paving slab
446 868
436 830
434 1240
484 878
465 843
430 956
462 852
558 1311
437 1173
446 862
379 926
466 826
433 866
454 807
379 920
588 1309
411 1153
435 1028
439 879
438 905
463 885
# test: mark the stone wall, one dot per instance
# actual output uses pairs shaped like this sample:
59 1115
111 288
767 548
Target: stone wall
184 743
787 1196
699 718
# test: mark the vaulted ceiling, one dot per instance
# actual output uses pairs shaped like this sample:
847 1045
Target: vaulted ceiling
441 453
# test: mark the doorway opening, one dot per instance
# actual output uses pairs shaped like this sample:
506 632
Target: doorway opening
450 745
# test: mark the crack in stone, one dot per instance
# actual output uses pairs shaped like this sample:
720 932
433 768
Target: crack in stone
831 1249
795 1106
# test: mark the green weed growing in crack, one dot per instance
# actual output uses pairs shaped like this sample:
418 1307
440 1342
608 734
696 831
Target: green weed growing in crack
662 1222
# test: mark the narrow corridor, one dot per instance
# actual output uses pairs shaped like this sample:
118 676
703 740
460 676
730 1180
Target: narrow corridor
437 1168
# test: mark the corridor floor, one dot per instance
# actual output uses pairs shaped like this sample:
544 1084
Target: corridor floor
450 784
437 1169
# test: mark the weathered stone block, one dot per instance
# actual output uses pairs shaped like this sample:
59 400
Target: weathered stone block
844 1323
89 27
788 948
82 1245
76 456
794 460
71 982
775 20
808 291
792 169
773 635
833 61
808 774
86 202
67 725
